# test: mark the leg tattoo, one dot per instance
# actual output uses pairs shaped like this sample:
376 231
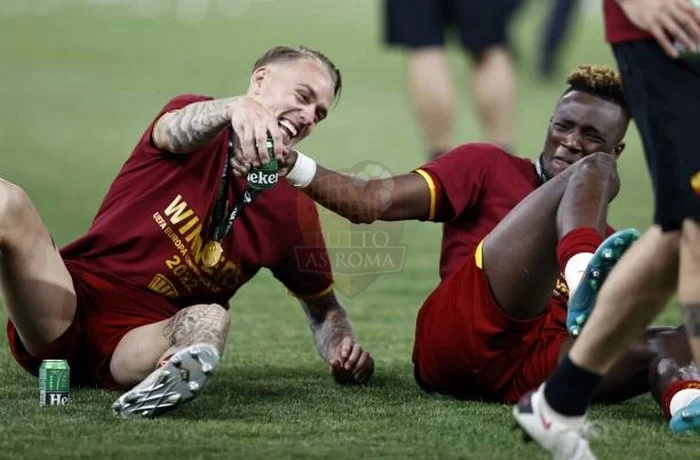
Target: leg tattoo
198 324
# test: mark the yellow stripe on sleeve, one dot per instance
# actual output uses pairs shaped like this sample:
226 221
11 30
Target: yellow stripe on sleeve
318 295
433 194
479 255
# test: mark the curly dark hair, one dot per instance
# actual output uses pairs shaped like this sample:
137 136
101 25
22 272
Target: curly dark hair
291 53
599 80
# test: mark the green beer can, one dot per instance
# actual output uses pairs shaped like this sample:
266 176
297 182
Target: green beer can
265 176
54 382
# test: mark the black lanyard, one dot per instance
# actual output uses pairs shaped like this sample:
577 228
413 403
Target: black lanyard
222 218
542 174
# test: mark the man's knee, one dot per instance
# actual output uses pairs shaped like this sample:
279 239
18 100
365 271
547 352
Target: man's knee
665 249
140 349
214 315
496 54
15 209
690 237
199 323
598 164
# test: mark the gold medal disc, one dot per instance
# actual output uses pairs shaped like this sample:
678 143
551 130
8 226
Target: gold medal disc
211 254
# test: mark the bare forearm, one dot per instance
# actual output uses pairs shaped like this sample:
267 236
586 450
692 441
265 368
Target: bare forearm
329 323
355 199
187 129
335 340
328 333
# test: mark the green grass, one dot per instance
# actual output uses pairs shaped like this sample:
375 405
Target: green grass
79 85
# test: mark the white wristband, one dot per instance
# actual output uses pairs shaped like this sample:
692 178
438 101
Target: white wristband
303 172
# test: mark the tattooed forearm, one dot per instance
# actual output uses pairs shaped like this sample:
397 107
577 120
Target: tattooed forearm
329 325
198 324
691 317
329 333
189 128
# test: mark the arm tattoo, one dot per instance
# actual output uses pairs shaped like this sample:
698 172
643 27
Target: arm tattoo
198 324
329 325
191 127
691 317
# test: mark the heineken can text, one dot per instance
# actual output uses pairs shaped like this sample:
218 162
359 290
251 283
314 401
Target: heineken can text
264 176
54 383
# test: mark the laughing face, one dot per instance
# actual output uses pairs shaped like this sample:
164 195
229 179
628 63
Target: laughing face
582 124
298 92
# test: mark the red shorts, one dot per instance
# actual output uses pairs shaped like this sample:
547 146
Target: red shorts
467 347
106 311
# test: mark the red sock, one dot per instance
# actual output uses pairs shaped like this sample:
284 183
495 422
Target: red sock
674 388
584 239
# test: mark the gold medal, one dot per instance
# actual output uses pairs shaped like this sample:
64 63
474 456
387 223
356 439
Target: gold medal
211 254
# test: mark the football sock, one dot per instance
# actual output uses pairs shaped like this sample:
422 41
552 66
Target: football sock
678 395
574 270
570 389
574 251
682 399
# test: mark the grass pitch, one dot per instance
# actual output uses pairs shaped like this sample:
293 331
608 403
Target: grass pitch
80 80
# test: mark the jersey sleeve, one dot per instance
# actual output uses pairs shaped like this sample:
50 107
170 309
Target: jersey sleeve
457 179
305 267
145 145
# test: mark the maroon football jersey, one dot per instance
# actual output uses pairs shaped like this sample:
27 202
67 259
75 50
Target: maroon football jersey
478 184
155 220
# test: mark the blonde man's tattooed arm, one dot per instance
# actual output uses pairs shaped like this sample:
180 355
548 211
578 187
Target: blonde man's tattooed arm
335 340
193 126
187 129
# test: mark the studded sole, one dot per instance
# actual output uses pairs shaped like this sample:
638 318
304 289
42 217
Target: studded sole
176 382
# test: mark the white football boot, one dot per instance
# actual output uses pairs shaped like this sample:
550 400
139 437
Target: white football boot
563 441
177 381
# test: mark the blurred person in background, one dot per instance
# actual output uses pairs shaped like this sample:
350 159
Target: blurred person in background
420 26
557 24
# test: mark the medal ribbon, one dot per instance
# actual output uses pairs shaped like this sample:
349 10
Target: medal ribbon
222 219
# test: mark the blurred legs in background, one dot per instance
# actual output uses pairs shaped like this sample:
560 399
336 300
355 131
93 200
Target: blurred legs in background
494 92
554 31
419 26
432 94
432 91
